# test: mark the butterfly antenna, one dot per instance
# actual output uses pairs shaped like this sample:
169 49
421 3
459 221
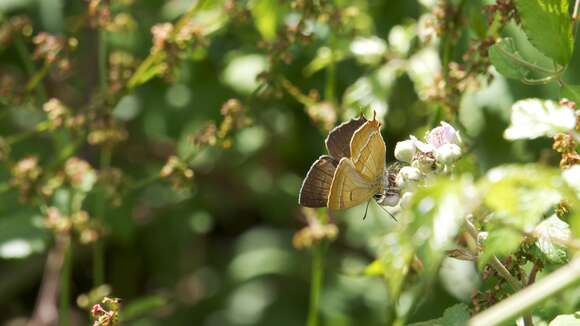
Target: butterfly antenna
366 210
394 218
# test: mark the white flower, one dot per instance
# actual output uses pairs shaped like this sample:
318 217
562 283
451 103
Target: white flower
405 150
410 173
533 118
549 230
444 134
406 199
368 49
421 146
423 66
572 177
400 38
447 153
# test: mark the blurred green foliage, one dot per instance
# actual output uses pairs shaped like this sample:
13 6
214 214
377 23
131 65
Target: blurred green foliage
216 248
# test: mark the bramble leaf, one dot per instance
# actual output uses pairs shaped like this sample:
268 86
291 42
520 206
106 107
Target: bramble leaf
548 26
456 315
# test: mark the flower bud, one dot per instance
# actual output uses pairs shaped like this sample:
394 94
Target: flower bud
405 150
447 153
406 199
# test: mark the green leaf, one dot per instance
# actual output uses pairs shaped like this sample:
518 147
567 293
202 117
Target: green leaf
521 194
456 315
548 26
500 242
571 92
509 62
566 320
143 306
265 14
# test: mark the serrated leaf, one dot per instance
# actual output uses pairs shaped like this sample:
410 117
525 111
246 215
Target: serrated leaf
571 92
548 232
509 62
548 26
456 315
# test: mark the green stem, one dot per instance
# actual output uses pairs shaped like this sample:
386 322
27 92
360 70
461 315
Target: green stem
103 76
316 284
330 85
41 127
516 305
98 249
30 68
65 278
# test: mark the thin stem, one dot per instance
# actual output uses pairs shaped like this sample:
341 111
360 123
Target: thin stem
29 66
514 306
41 127
103 76
316 284
98 248
494 261
65 278
329 88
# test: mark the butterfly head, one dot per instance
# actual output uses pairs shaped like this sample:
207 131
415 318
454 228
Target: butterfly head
390 192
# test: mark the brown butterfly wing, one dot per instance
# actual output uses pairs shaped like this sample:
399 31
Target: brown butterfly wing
316 186
338 140
368 151
349 188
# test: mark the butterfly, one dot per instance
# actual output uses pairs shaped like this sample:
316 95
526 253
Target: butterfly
354 170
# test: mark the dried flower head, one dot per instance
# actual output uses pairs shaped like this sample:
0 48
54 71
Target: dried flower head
314 232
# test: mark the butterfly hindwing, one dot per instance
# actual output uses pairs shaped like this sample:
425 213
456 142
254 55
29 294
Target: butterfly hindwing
338 140
348 187
316 186
368 151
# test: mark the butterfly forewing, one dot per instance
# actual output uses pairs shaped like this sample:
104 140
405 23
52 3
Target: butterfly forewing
338 140
348 187
368 152
316 185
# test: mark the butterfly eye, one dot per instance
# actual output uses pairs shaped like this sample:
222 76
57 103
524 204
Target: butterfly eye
379 197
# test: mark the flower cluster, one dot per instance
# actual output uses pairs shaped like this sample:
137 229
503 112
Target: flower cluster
25 174
77 223
53 49
314 232
235 118
106 313
60 116
177 172
15 27
441 148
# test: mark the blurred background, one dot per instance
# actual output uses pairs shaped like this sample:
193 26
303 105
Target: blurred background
273 77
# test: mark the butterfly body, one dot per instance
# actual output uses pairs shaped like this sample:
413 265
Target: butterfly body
353 172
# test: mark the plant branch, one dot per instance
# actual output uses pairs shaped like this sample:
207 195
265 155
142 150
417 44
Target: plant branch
514 306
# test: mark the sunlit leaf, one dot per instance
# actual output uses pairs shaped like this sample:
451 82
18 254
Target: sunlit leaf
509 62
548 26
456 315
265 14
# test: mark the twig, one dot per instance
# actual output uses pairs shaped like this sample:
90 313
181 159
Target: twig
45 311
517 304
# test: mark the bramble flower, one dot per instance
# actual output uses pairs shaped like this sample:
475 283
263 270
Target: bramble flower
533 118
